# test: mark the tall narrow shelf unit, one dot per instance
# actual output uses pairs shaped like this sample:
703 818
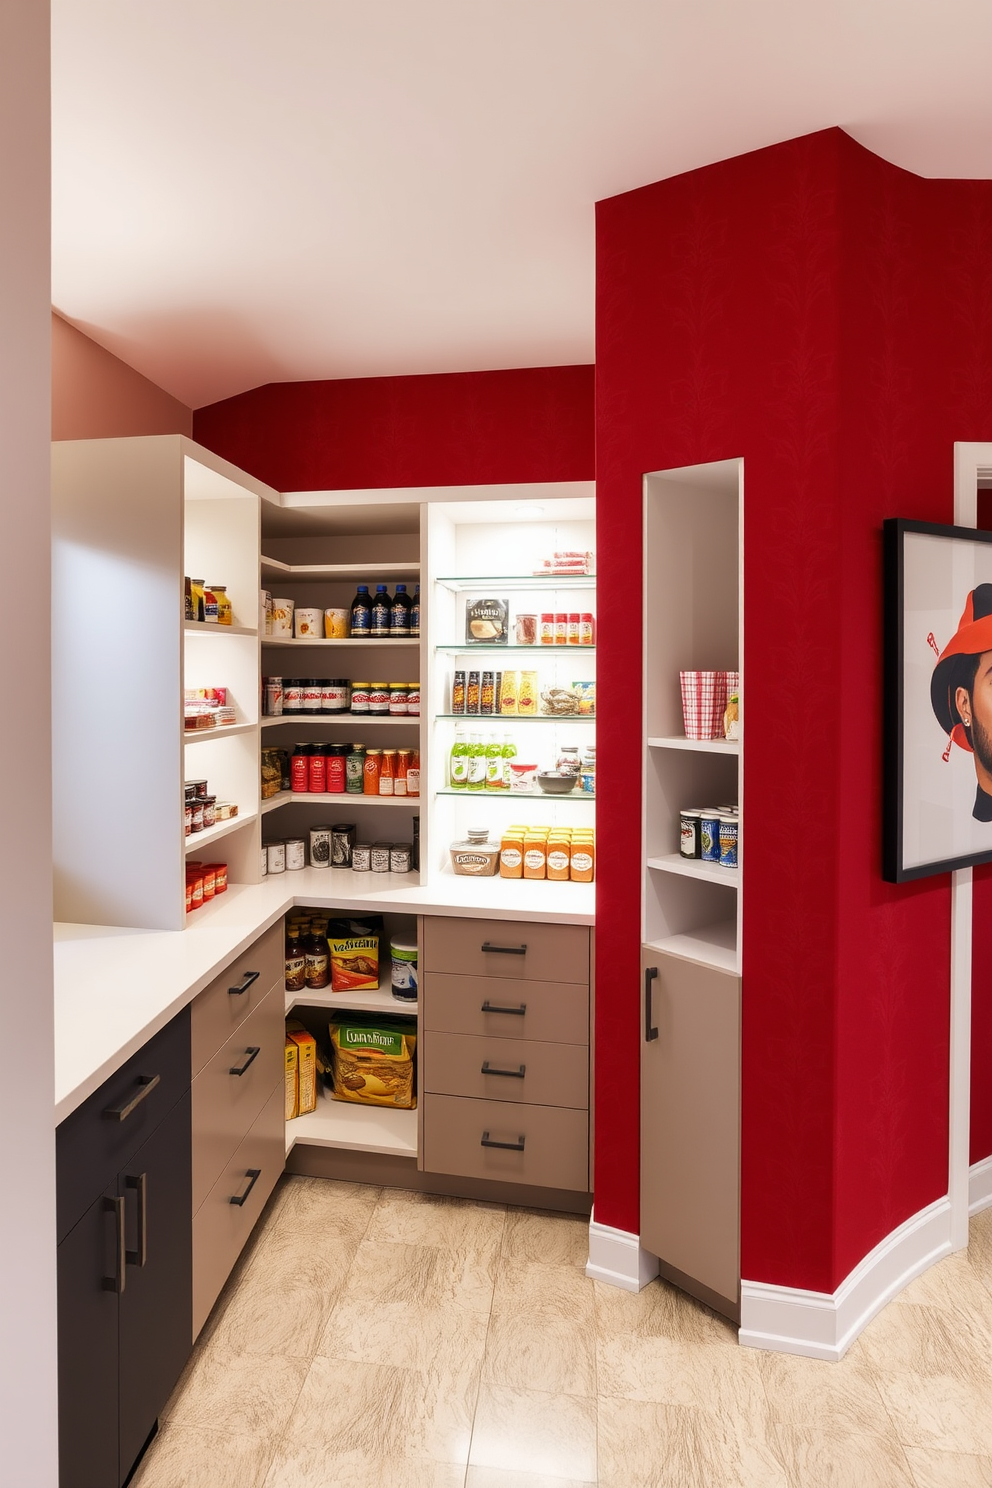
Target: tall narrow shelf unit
692 911
131 517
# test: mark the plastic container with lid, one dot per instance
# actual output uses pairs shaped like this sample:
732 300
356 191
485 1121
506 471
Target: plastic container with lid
475 856
404 968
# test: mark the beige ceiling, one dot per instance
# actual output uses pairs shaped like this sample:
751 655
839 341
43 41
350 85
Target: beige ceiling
249 191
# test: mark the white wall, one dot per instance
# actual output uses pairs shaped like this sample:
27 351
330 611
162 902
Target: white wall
27 1145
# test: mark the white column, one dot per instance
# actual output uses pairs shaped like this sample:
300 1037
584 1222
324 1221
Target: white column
27 1136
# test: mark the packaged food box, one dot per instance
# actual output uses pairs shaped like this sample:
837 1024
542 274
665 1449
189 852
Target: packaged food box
372 1061
354 959
306 1046
587 697
292 1079
487 622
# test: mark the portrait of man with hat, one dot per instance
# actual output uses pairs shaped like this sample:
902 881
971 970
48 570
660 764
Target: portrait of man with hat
961 691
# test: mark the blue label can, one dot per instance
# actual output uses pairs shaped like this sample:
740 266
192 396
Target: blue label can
729 829
709 836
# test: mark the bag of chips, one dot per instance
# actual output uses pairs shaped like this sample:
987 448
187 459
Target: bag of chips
372 1060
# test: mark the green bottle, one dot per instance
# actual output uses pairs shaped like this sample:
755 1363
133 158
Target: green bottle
476 764
458 764
494 764
509 752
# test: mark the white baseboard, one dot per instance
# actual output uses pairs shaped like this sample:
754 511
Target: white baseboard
617 1257
980 1186
823 1325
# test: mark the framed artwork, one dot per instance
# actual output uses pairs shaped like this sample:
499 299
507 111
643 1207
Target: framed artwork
938 699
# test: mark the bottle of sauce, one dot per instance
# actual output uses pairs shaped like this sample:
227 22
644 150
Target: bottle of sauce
415 611
296 960
354 770
317 771
225 611
361 613
413 781
335 768
509 752
494 764
387 774
399 617
476 764
318 954
458 764
299 769
382 611
373 765
402 772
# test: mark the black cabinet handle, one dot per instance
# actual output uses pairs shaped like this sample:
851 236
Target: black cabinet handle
650 1033
507 1146
140 1185
250 976
253 1174
516 1074
116 1282
487 945
239 1069
122 1112
495 1007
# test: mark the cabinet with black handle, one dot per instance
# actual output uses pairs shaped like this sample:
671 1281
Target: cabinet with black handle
124 1260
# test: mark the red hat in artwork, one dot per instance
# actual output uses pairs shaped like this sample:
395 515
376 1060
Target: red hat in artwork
955 667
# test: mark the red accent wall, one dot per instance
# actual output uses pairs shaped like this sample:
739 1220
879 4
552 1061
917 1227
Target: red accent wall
458 428
827 317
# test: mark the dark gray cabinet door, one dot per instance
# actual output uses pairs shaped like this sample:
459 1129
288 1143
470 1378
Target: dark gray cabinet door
690 1125
87 1314
156 1306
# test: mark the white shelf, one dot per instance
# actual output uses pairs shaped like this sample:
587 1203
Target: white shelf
712 945
376 1000
550 653
274 568
565 719
210 627
517 796
351 719
356 1128
520 582
696 868
340 798
219 731
360 641
704 746
222 829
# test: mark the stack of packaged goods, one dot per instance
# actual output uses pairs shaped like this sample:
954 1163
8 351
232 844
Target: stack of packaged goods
558 854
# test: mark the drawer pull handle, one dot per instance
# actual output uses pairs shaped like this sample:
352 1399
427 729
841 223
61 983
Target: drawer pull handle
239 1069
516 1074
507 1146
253 1175
139 1257
520 950
495 1007
122 1112
116 1282
249 977
650 1032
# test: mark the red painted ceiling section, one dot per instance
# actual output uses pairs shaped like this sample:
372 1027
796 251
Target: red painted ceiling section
465 428
825 316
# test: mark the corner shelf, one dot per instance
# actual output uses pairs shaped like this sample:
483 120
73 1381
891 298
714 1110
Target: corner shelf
274 568
702 746
375 1000
340 798
696 868
219 731
565 719
355 1127
548 652
221 829
353 720
520 582
210 627
711 945
361 642
527 797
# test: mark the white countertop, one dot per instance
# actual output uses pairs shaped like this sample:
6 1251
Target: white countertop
115 988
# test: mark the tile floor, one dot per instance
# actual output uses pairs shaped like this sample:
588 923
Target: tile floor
378 1337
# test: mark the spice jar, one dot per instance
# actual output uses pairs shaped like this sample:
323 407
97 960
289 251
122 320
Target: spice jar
209 811
380 856
343 836
379 699
399 857
361 857
360 697
547 629
196 815
397 700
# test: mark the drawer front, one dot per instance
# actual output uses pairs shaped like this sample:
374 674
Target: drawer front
555 1012
99 1138
507 948
219 1010
225 1104
555 1142
220 1227
506 1070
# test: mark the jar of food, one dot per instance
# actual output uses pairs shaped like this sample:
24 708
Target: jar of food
194 883
400 857
334 695
312 693
196 815
361 857
379 699
729 829
360 697
525 630
299 768
709 834
354 770
292 696
296 853
689 833
511 853
343 836
587 629
209 881
320 847
276 857
547 633
317 770
387 774
574 631
413 775
209 811
199 788
225 611
535 856
196 598
402 770
397 700
335 768
561 628
475 856
413 699
380 856
273 697
523 778
568 762
404 968
457 693
188 811
373 766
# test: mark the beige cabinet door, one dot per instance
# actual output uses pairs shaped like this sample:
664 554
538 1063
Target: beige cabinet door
690 1125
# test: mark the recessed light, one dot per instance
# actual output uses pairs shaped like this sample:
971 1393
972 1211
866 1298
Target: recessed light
530 509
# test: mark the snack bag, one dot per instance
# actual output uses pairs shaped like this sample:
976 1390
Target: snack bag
354 961
372 1061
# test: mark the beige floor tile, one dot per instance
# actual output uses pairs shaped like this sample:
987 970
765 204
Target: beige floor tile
552 1239
677 1446
299 1464
925 1340
283 1300
432 1275
359 1412
498 1477
223 1391
725 1382
562 1292
529 1352
840 1397
313 1208
536 1432
943 1413
817 1458
184 1457
428 1219
952 1283
659 1311
949 1469
980 1244
408 1335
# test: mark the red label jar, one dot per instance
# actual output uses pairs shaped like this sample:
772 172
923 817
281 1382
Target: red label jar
335 768
317 771
299 769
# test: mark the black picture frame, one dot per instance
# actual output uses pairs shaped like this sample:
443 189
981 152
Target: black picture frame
896 532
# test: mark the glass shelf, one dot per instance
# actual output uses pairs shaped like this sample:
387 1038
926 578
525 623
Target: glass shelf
535 651
521 581
508 719
518 796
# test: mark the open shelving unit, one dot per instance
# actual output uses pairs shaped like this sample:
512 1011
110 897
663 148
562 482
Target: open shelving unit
355 1128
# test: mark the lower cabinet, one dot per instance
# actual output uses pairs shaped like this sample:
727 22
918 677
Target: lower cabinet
690 1126
124 1263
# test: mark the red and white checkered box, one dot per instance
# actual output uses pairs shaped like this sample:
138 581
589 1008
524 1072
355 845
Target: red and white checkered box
704 701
